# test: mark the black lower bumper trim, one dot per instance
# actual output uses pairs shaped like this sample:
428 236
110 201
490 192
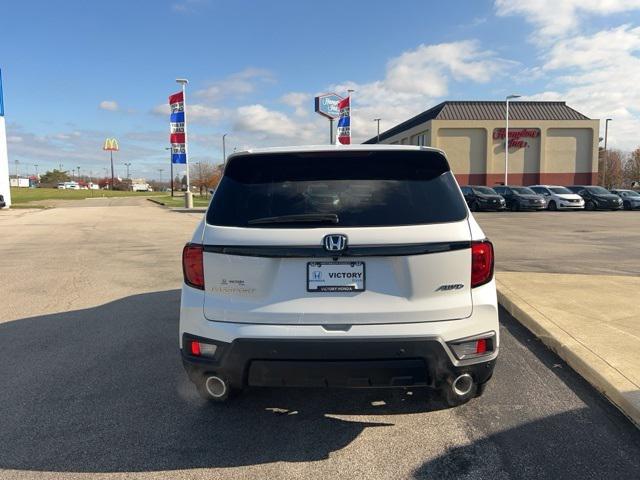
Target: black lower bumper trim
350 363
349 374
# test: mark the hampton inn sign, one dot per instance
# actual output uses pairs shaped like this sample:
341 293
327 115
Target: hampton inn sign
517 137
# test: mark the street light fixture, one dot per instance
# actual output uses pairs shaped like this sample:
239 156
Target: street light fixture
604 160
506 139
378 121
127 165
171 163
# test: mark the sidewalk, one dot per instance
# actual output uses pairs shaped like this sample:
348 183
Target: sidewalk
591 321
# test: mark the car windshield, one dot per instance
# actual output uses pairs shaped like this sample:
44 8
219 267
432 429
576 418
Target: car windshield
598 190
348 189
560 190
484 190
523 190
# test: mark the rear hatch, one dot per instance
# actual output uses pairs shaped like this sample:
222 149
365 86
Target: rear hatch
337 237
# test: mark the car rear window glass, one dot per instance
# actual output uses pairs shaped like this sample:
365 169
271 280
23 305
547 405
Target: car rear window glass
361 188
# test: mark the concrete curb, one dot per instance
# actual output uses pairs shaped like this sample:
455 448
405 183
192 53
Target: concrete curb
157 202
591 367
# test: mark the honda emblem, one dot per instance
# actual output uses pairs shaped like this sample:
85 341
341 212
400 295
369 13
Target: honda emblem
335 243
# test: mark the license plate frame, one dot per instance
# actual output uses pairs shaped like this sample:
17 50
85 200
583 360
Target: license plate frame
344 288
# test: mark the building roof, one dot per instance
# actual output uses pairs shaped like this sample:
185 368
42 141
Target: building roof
487 110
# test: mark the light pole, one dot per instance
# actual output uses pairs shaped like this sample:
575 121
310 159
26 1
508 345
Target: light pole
161 170
506 140
127 165
604 160
17 162
224 149
378 121
36 165
78 168
170 163
188 198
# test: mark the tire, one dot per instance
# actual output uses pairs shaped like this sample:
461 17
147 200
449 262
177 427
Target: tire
552 206
627 205
474 207
515 207
589 205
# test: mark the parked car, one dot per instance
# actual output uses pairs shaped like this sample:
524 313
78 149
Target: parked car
597 198
559 198
630 198
521 198
2 202
482 198
388 285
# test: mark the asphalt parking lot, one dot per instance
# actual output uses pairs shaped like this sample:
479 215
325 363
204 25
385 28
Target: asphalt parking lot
606 243
93 385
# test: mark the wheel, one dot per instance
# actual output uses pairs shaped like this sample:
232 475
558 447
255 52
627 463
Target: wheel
552 206
590 205
474 207
515 207
627 205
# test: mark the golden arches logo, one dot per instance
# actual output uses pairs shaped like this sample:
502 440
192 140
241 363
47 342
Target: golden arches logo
111 144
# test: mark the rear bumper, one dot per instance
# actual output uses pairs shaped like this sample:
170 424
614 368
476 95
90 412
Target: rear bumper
358 363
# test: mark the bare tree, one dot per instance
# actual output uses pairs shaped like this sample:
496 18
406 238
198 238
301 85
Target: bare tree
632 168
610 174
205 176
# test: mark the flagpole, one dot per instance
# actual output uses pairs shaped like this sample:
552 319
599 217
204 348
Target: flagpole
188 198
349 92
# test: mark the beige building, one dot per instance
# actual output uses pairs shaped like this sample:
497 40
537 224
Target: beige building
549 142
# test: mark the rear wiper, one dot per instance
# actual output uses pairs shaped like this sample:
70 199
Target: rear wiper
299 218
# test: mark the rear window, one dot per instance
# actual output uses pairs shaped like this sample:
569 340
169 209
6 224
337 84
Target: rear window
355 189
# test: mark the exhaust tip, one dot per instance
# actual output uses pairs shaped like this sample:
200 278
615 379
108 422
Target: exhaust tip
215 386
462 385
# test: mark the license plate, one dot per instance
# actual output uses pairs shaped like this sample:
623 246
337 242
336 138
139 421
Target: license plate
335 276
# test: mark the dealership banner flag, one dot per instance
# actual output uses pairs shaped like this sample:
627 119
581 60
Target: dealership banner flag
343 132
177 134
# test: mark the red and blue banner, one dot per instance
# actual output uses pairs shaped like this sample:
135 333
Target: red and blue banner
177 135
343 131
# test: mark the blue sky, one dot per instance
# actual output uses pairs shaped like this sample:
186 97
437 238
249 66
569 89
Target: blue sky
75 72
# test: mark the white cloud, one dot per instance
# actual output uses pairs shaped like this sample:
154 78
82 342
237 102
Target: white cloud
415 80
237 84
196 112
598 75
557 18
259 119
109 105
300 102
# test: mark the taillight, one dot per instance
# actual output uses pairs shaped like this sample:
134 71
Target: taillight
192 266
481 263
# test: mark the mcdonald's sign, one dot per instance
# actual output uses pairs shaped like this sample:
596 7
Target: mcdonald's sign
111 144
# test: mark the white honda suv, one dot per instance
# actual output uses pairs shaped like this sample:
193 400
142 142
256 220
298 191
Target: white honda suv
350 266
